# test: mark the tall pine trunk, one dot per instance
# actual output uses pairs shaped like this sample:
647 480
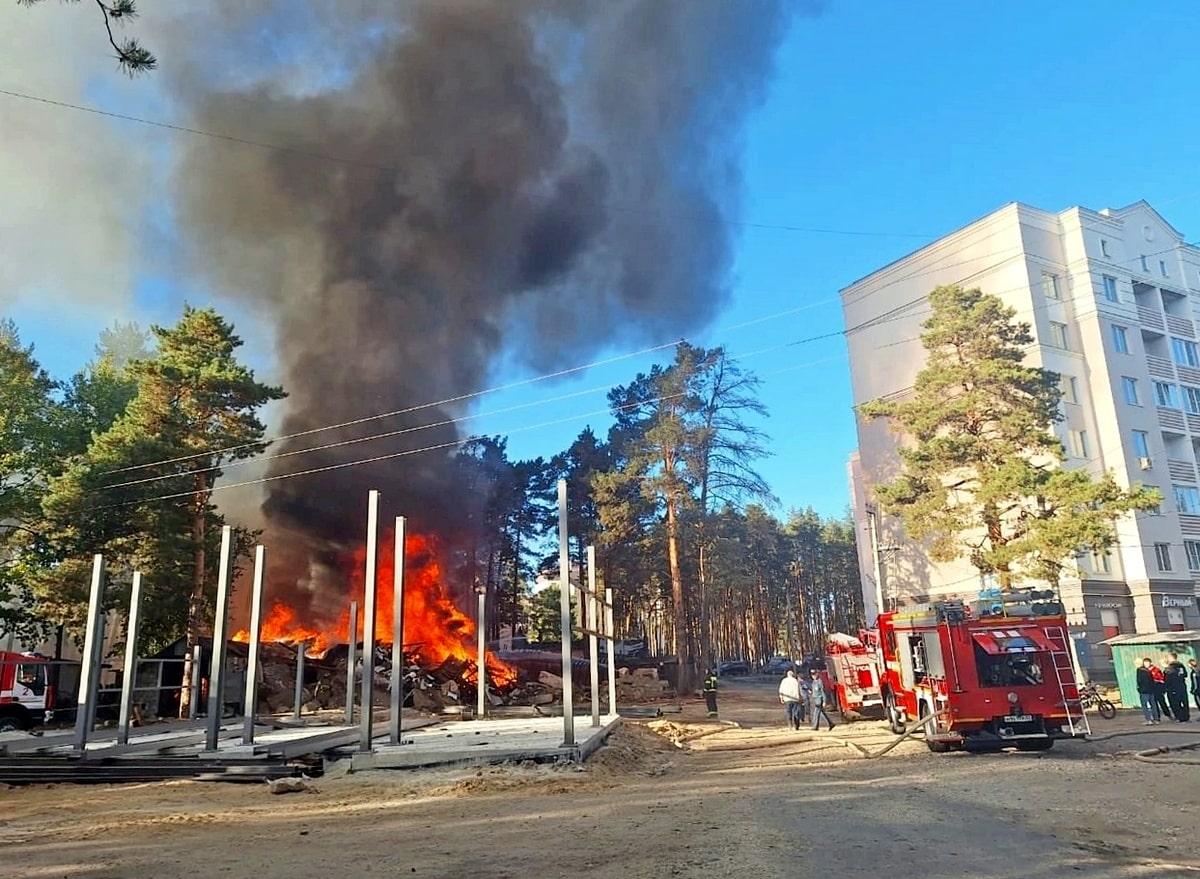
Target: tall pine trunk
678 596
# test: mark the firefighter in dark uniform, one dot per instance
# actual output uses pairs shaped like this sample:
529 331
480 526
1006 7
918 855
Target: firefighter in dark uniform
710 692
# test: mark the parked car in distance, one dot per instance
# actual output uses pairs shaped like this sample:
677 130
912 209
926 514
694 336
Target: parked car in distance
778 665
732 668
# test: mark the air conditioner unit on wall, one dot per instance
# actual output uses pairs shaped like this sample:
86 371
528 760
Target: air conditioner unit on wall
1146 463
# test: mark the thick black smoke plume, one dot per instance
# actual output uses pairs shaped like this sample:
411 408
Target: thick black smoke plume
527 178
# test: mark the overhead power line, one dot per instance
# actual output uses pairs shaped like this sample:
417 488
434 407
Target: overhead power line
375 166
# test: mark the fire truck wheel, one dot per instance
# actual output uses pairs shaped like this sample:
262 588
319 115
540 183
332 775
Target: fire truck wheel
893 716
8 723
936 747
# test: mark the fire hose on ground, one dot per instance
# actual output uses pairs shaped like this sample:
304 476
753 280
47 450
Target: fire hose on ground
1152 755
1148 755
916 728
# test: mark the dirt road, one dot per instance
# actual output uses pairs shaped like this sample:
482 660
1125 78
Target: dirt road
755 801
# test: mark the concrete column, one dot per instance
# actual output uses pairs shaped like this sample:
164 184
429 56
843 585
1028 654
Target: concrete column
130 671
564 605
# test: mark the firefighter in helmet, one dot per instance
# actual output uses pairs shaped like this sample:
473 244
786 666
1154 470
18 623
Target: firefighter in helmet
710 692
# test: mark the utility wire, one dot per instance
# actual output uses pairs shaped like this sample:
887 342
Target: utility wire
374 166
884 318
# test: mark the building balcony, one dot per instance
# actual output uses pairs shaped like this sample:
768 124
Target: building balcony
1181 471
1160 367
1180 326
1171 420
1151 318
1189 375
1189 525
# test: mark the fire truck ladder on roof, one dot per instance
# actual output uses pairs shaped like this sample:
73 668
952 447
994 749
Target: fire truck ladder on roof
1064 673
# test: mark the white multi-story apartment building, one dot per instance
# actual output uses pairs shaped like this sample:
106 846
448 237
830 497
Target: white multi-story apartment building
1113 300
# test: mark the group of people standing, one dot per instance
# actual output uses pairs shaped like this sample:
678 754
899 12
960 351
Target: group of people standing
1163 690
803 699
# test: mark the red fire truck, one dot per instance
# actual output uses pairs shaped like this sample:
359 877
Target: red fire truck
851 674
26 696
988 674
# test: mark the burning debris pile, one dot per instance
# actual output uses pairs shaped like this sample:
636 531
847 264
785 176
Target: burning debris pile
437 689
439 651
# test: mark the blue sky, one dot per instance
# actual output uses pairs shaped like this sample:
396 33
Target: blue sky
910 125
899 126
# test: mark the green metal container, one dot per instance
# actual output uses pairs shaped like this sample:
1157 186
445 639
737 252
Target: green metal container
1128 651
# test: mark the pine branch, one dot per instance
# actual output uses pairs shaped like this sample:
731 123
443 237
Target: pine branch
133 56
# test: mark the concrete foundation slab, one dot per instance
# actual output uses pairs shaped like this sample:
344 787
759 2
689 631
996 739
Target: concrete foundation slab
470 742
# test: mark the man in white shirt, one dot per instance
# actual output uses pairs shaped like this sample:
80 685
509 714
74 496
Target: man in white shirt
789 695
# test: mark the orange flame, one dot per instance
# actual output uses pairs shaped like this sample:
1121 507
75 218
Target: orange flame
435 630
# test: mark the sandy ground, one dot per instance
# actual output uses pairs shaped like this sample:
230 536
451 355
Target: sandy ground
677 797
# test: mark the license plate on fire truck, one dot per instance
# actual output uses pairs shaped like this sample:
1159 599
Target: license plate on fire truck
1018 718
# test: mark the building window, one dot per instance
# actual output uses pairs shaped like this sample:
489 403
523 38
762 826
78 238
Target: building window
1155 510
1187 499
1129 386
1165 395
1079 443
1141 444
1050 286
1185 352
1145 264
1069 385
1101 562
1058 336
1192 547
1162 268
1104 247
1191 399
1110 288
1175 619
1162 556
1120 339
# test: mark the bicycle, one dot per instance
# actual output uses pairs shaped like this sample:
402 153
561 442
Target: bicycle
1089 697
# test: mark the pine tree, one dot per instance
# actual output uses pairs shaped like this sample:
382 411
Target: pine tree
143 489
983 475
29 454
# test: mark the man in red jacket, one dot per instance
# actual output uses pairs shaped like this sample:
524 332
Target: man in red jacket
1160 690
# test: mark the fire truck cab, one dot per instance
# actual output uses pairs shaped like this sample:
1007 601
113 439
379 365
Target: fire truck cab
26 696
985 675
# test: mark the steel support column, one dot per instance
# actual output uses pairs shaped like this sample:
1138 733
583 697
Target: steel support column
89 674
298 700
594 626
564 606
481 656
351 658
194 683
367 697
250 707
129 673
612 651
216 669
395 719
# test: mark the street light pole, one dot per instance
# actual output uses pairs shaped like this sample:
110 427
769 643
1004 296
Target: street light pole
875 560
